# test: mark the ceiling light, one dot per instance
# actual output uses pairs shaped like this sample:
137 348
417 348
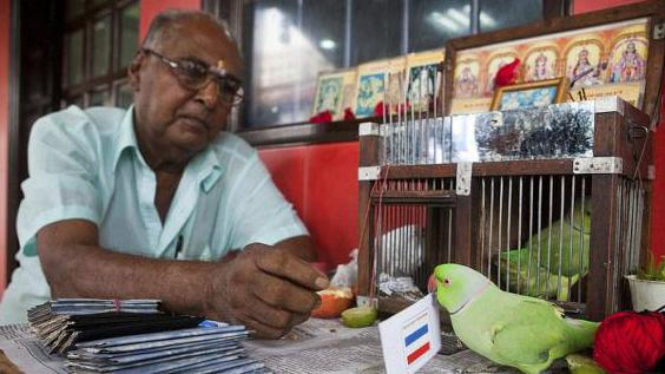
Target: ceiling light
327 44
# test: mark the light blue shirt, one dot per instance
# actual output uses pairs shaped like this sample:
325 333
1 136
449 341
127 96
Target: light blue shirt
87 165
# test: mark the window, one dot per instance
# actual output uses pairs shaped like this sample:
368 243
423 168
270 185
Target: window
286 43
101 37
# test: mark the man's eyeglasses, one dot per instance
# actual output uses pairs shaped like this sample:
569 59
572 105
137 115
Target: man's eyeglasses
195 75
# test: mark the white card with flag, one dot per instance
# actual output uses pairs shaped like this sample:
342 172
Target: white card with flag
412 337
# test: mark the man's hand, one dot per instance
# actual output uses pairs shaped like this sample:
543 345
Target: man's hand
264 288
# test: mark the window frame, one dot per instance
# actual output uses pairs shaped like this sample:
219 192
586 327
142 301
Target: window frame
115 73
304 132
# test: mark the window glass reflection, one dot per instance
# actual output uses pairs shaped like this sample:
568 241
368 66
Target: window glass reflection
287 43
100 98
124 95
433 22
129 34
495 15
291 42
101 46
74 63
376 30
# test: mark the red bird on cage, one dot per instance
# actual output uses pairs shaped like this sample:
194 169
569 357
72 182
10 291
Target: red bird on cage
508 74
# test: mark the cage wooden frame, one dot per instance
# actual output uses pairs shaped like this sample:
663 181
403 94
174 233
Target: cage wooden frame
613 137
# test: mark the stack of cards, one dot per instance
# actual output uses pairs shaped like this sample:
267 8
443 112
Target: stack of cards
214 349
62 323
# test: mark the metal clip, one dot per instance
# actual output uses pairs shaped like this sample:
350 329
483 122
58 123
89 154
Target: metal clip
369 173
463 184
658 31
368 128
598 165
367 301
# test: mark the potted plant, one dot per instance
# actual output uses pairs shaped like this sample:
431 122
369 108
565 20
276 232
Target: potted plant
647 288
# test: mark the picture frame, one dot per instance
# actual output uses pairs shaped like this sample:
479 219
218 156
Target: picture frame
424 78
538 93
605 53
371 83
334 92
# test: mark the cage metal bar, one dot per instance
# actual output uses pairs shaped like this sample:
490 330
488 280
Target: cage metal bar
561 221
498 246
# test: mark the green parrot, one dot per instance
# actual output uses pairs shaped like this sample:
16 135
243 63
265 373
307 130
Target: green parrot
513 330
526 269
528 279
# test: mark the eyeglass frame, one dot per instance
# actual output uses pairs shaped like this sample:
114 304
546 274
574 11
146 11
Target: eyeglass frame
220 75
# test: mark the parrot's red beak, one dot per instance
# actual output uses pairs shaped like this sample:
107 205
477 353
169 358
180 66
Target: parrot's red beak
431 284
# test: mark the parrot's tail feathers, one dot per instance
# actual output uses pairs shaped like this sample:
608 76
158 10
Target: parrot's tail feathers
583 332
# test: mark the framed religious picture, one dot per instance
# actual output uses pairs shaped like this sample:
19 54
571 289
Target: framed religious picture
615 52
424 78
370 87
539 93
395 82
334 92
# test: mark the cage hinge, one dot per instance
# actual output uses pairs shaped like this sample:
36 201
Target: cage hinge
368 128
658 31
463 183
598 165
369 173
367 301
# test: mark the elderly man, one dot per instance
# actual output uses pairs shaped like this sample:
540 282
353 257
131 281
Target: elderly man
153 202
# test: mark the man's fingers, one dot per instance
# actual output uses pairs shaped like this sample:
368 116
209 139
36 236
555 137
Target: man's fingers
262 330
281 293
268 315
288 266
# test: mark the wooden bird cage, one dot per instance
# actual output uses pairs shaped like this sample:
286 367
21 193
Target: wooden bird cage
419 216
564 226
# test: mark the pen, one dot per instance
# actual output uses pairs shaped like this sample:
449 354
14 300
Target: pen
178 247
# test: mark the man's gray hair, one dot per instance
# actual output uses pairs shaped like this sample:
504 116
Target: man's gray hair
163 20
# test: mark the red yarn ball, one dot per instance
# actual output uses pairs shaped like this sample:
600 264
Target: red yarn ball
630 342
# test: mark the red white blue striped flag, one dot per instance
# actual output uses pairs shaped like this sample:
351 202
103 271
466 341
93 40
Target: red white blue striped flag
411 338
417 339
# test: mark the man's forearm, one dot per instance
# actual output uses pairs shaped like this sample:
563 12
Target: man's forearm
88 271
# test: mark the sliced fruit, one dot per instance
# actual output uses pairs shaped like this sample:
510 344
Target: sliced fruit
361 316
333 302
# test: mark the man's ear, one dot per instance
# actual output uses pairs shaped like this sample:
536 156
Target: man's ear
134 70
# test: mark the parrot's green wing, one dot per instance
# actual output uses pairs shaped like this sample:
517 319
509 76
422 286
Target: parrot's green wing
528 278
532 339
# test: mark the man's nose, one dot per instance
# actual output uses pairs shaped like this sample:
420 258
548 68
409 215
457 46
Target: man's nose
208 95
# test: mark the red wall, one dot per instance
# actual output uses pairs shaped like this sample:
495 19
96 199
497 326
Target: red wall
321 181
149 8
658 201
583 6
4 131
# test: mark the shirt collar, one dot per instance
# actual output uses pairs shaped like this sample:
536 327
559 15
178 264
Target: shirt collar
126 138
206 165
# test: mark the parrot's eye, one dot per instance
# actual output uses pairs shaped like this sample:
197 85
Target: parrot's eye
446 282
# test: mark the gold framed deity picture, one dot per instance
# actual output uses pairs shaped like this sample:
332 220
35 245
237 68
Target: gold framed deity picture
539 93
334 91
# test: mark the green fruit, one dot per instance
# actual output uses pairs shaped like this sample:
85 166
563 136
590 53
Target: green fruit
578 364
361 316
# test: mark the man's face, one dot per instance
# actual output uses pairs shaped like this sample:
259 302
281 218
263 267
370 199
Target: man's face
170 116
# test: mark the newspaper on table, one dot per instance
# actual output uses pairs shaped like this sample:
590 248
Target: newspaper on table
325 346
317 346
